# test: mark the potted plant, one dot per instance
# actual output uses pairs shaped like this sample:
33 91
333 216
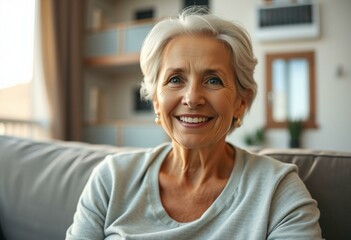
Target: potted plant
295 128
255 139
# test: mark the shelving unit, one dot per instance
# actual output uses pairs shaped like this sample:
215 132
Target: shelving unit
116 45
125 133
112 74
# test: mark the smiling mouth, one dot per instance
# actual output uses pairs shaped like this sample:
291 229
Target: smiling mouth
194 120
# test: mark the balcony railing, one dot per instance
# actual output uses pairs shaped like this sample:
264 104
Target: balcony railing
20 128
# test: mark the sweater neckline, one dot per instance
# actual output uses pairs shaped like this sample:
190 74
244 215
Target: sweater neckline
223 200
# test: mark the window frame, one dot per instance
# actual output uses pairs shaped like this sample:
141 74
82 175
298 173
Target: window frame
309 56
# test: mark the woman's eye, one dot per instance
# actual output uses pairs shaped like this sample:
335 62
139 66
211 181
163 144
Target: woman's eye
214 81
174 80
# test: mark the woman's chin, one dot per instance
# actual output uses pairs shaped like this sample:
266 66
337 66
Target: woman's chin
195 141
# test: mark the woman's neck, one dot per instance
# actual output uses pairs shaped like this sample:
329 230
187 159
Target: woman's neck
197 166
190 180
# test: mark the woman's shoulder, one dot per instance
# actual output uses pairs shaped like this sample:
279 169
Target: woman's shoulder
265 176
262 165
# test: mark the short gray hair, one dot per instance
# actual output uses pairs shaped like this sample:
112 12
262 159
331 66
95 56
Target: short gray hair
192 21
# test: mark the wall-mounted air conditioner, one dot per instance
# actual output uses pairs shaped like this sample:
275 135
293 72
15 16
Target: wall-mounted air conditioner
287 20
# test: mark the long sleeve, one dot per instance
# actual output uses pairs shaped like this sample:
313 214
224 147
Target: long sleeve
293 213
89 218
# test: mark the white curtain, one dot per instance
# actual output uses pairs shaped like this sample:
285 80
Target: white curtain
58 68
45 98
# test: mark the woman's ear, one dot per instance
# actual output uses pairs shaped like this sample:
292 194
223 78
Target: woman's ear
239 110
155 104
157 113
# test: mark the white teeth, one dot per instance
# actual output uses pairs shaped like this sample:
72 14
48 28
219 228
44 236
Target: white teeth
193 120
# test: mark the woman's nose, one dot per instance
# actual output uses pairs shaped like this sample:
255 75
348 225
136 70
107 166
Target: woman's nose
193 96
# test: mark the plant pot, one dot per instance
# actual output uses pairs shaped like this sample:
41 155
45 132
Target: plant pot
294 143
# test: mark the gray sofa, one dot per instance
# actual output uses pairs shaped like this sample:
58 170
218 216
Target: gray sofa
40 183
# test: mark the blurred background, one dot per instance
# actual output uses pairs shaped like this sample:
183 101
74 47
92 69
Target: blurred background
69 70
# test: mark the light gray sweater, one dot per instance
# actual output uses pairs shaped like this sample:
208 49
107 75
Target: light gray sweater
263 199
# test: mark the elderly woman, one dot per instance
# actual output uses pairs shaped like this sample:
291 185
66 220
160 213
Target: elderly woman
198 72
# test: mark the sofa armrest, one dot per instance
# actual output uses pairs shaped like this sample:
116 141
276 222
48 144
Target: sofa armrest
40 184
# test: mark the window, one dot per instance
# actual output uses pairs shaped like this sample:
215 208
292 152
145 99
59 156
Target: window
17 19
290 85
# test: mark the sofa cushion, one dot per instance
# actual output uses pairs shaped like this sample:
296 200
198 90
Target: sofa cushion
40 183
327 175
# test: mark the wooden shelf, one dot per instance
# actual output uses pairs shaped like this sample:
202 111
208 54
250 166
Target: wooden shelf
106 61
117 45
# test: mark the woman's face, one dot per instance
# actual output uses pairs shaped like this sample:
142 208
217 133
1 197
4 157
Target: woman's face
196 96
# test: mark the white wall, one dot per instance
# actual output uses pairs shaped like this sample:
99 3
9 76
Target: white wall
333 95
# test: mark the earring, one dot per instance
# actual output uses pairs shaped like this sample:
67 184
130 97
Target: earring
237 122
158 119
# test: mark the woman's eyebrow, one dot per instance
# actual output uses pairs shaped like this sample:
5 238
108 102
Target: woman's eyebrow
175 70
208 71
214 71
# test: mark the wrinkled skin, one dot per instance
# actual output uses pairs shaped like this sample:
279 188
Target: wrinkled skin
196 100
